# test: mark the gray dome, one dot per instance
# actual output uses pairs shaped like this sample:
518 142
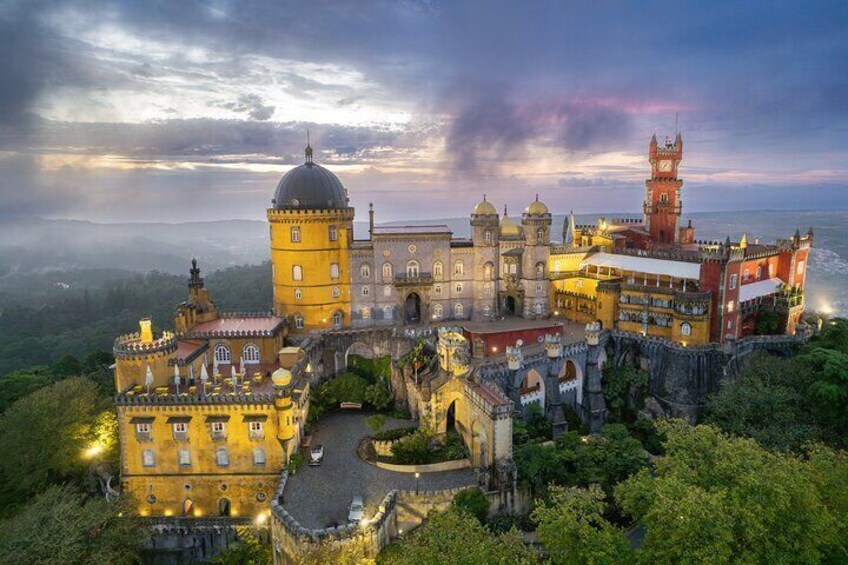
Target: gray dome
311 187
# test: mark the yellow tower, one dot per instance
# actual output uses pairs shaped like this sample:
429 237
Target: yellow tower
311 232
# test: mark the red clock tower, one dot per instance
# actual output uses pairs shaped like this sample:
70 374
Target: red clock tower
662 205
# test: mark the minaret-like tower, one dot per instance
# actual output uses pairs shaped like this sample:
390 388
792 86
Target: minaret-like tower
663 204
536 222
484 235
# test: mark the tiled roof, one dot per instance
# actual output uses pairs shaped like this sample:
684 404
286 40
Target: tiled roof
238 326
407 230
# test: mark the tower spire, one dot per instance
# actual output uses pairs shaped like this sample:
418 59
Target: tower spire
308 150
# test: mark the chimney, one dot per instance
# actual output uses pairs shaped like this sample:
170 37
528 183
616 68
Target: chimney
370 220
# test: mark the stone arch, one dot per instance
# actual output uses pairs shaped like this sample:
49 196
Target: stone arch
533 389
358 348
570 370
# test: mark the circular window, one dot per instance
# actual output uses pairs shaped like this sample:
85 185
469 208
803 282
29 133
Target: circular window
151 498
412 248
224 486
261 496
187 486
295 202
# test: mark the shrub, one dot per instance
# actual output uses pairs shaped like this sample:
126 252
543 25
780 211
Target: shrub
414 450
473 502
395 433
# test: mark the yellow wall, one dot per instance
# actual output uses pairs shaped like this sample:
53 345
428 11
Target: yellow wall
565 262
314 253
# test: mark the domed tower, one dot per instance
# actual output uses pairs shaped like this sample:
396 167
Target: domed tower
311 232
282 381
536 222
484 234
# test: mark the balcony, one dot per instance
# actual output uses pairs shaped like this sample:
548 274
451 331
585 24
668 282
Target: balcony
412 279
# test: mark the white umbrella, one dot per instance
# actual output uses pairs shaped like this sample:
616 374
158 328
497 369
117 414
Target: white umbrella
177 378
241 366
234 376
148 379
204 376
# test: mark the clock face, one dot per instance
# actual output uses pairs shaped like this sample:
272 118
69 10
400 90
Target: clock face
664 166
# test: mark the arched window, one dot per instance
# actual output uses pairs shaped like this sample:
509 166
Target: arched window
537 308
250 354
458 288
298 321
800 269
222 457
437 310
412 269
557 266
759 272
387 270
365 291
387 290
487 288
664 198
540 270
366 313
438 269
387 313
685 329
437 288
337 319
540 236
488 271
222 353
298 294
487 310
224 507
334 270
336 292
258 457
295 234
458 310
746 274
771 269
487 236
459 267
334 233
297 272
365 271
148 459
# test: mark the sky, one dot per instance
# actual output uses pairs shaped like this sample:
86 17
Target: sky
192 110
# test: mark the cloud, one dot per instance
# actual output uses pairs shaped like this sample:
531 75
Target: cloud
252 105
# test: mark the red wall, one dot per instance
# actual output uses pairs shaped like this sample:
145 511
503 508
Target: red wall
501 339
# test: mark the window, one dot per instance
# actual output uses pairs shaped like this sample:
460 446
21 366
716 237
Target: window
387 290
664 198
800 269
458 310
540 236
258 457
732 284
250 354
557 266
298 294
148 459
540 270
337 319
366 313
387 270
487 288
438 269
771 270
222 353
488 270
487 236
222 457
219 430
437 289
537 308
334 270
365 271
578 283
759 272
336 292
143 431
180 430
458 288
746 274
685 329
334 233
538 287
387 313
437 310
298 321
184 458
730 324
255 429
487 310
295 234
365 291
412 269
297 273
512 268
730 306
459 268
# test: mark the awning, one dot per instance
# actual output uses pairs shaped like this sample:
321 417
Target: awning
179 419
256 418
760 288
649 265
139 420
217 418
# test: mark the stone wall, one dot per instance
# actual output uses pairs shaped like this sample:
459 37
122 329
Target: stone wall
178 541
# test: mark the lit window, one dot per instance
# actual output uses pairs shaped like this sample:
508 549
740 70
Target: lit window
487 310
295 235
366 313
685 329
488 269
334 270
336 292
298 321
387 270
297 272
759 272
184 458
148 459
298 294
459 268
800 268
219 430
365 291
458 310
255 429
437 310
730 306
746 274
387 290
771 269
337 319
180 430
733 280
222 457
334 233
258 457
513 268
222 353
459 288
365 271
412 269
438 269
557 266
487 236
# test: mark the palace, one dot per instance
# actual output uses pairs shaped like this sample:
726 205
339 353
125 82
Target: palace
211 412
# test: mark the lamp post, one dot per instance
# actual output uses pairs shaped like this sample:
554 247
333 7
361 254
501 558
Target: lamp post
417 476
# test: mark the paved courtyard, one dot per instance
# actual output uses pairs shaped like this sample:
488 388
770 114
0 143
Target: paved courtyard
319 496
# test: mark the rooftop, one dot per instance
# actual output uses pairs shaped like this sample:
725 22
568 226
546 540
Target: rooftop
411 230
649 265
238 326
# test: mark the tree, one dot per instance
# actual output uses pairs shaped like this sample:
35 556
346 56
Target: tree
246 551
768 322
45 433
18 384
624 390
345 388
714 498
376 422
67 366
473 502
456 537
379 395
828 369
354 552
61 525
573 530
